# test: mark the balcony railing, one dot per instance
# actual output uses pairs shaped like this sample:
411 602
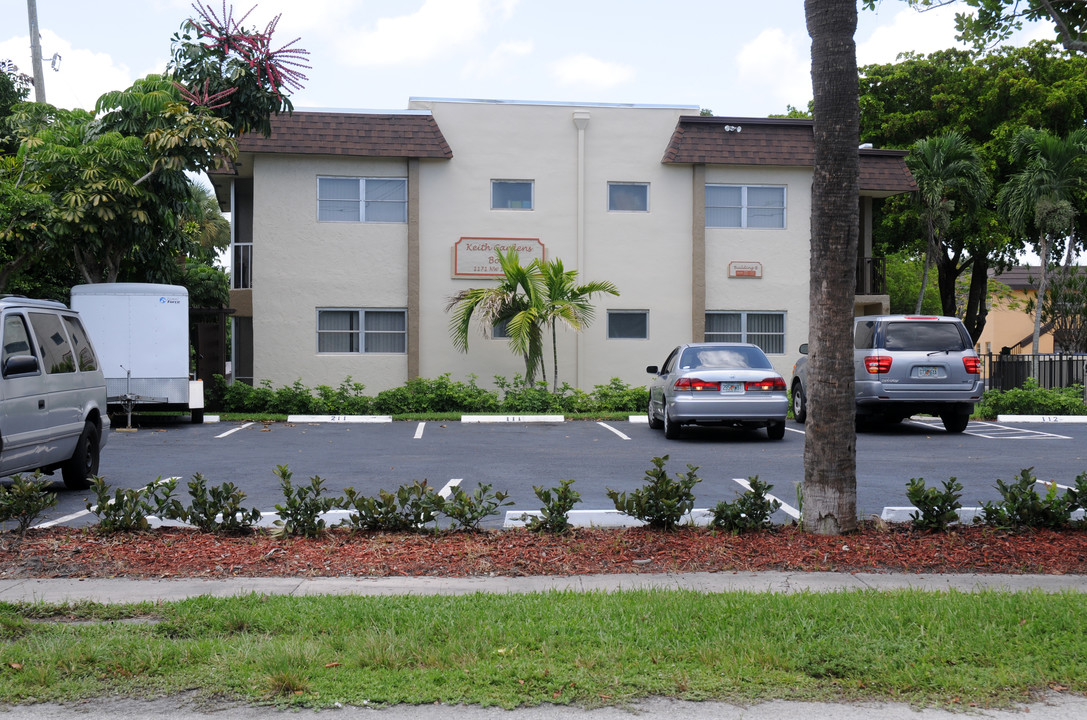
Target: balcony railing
1052 370
242 266
871 276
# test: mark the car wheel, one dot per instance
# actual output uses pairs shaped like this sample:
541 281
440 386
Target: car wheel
654 423
800 404
84 461
671 429
955 422
775 430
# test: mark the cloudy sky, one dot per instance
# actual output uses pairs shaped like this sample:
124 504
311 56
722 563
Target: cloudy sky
736 58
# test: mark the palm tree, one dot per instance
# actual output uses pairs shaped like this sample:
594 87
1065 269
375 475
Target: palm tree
518 301
1045 194
945 167
567 303
830 452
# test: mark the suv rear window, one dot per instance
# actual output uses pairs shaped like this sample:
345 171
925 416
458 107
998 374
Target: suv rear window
922 336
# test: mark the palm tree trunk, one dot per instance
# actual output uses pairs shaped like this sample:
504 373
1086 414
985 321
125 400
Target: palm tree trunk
928 265
1043 253
554 358
830 449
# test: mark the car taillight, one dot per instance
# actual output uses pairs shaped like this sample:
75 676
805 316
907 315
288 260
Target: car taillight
972 364
877 364
696 385
769 384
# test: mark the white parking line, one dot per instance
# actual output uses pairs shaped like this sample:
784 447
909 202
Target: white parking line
785 508
992 431
447 490
609 427
231 432
81 513
419 430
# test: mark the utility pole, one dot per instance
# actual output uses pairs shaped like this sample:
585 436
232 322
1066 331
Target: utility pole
36 51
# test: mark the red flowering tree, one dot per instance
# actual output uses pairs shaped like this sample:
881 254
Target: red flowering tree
234 71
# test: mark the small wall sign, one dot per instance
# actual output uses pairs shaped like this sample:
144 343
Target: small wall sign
478 257
745 269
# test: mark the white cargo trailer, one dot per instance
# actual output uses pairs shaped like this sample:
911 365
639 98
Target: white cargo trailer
141 332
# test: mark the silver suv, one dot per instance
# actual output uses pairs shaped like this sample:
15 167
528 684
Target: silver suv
52 393
907 364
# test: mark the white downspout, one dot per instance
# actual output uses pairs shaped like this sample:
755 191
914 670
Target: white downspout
581 121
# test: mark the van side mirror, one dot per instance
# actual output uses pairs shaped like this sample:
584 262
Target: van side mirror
20 365
804 349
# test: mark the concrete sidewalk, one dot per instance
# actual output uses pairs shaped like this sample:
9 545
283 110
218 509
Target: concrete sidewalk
126 590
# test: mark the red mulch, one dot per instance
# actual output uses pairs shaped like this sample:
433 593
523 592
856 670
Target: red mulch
173 552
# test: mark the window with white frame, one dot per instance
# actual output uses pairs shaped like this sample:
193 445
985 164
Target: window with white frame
511 194
628 324
374 200
628 197
765 329
745 206
350 330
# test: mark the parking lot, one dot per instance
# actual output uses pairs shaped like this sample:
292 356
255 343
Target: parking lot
514 456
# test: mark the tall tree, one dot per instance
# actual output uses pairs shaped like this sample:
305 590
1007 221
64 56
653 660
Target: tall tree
995 20
950 178
830 448
567 302
1045 195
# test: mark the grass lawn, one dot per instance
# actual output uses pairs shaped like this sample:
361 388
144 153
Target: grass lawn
586 648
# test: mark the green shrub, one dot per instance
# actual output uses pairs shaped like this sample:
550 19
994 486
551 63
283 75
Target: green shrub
1077 496
557 504
1022 507
467 511
936 509
618 396
440 394
410 508
751 511
1032 400
302 507
520 397
218 509
126 509
662 502
25 501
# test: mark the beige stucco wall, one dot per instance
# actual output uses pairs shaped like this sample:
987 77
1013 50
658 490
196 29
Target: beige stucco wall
300 265
645 254
783 254
1007 323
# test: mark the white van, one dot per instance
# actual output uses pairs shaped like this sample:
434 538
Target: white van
52 393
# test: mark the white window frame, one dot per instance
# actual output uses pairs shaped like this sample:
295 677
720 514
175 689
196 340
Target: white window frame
611 185
614 313
531 194
743 207
362 200
745 334
361 332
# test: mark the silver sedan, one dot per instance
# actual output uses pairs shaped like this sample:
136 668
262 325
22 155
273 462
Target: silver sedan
732 384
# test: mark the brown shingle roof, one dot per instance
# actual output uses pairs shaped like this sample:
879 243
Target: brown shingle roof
355 134
776 141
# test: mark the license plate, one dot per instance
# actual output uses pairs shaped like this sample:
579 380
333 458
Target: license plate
732 387
928 372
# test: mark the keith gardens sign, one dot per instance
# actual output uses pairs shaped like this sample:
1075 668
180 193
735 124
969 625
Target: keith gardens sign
478 257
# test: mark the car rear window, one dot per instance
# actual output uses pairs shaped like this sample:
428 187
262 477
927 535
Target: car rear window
930 336
725 357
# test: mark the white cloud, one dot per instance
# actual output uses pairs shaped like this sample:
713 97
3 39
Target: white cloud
909 30
82 77
499 60
414 39
584 69
778 65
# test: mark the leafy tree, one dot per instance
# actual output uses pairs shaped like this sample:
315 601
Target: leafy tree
988 99
830 451
995 20
567 302
950 179
903 275
1065 308
1045 194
